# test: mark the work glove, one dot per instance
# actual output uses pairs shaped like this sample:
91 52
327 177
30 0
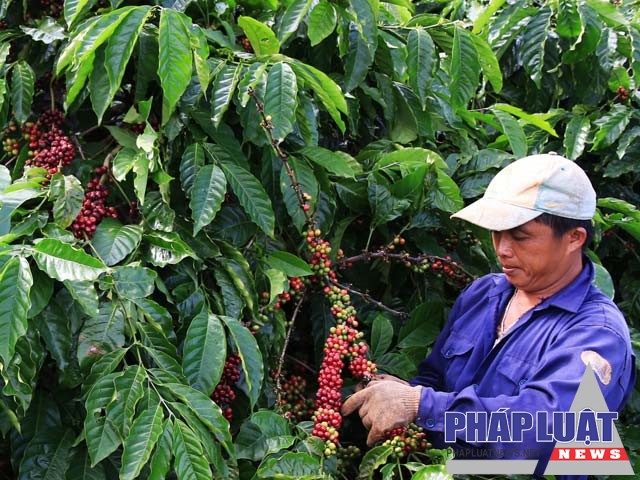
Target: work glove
384 405
384 377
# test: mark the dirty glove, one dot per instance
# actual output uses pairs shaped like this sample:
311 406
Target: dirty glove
384 405
379 377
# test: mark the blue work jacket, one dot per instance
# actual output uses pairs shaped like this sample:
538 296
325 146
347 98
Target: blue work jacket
536 366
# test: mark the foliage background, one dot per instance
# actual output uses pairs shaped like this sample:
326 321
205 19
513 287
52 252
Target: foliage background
391 114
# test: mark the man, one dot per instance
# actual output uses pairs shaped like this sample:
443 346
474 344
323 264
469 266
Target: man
519 340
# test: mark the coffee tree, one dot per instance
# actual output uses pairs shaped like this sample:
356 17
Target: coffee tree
218 217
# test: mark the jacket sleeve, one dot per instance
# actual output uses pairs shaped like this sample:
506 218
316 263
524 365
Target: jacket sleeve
552 387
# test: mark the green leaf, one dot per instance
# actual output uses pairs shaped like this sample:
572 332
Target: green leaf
421 61
444 194
80 467
129 390
237 267
247 349
308 184
22 372
189 462
533 43
104 366
166 248
141 170
291 265
204 352
133 282
174 65
120 46
99 84
488 62
384 205
223 88
101 334
292 466
321 22
278 283
603 281
408 160
200 55
73 9
48 455
531 119
587 43
144 434
486 14
209 188
432 472
101 436
513 131
15 284
64 262
331 161
94 35
381 335
575 136
231 298
252 79
619 77
325 89
280 100
192 160
251 195
206 410
85 294
47 31
611 126
569 23
161 460
291 18
465 68
358 60
373 459
67 195
113 241
22 81
12 200
262 39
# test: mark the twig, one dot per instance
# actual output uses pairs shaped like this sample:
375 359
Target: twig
303 364
384 254
268 127
79 146
284 351
369 299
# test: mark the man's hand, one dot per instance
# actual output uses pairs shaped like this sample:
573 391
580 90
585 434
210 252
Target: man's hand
384 405
382 377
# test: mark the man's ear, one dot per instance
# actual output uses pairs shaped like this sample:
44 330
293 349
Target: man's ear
577 236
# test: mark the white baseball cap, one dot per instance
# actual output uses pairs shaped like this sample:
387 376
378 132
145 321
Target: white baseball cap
529 187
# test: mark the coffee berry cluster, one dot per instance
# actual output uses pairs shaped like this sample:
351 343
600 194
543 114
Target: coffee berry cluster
343 344
346 457
296 402
294 292
443 267
406 440
49 147
94 206
224 395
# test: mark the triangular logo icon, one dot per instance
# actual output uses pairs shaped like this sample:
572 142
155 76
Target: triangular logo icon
590 457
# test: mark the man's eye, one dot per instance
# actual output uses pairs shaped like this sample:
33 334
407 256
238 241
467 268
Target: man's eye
519 238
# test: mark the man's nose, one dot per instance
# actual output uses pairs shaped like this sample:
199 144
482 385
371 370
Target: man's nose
502 245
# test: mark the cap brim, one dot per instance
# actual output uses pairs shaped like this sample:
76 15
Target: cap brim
496 215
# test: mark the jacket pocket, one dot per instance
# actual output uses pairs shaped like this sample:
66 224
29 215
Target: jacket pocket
456 352
513 375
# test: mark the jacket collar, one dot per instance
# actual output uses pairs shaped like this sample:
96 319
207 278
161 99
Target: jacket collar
570 298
